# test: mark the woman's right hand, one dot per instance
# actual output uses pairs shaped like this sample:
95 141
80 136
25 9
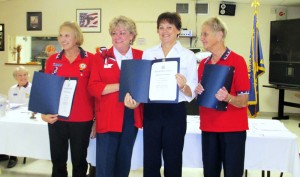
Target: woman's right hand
129 102
50 118
199 89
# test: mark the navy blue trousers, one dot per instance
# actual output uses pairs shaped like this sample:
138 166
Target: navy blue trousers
223 149
78 135
114 149
164 131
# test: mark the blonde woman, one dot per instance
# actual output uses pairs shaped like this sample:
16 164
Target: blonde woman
73 62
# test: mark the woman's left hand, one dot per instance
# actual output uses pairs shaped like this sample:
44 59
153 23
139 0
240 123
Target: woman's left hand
181 80
130 102
222 94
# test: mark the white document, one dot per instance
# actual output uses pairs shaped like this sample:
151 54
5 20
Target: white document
66 98
163 85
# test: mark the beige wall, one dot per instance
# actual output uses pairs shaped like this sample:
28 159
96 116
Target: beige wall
144 12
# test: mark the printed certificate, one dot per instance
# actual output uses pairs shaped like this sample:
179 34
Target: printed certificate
150 81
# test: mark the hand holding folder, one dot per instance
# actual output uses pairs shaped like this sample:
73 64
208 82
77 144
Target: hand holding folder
51 94
150 81
215 77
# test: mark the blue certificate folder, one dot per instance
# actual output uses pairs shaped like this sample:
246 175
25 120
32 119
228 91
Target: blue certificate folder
135 79
45 93
215 77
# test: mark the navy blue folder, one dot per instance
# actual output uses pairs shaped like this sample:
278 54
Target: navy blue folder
45 93
135 79
215 77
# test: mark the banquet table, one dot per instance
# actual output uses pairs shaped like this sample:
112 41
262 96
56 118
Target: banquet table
270 145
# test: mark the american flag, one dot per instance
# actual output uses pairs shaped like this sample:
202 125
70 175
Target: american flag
89 20
256 66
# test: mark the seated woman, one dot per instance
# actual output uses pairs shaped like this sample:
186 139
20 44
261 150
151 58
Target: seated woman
19 93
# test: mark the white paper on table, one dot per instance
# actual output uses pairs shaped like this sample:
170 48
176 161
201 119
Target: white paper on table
267 126
163 85
13 106
66 98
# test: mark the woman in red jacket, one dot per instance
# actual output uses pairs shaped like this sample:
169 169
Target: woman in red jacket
116 126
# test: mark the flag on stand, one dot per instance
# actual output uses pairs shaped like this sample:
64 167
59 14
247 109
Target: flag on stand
256 65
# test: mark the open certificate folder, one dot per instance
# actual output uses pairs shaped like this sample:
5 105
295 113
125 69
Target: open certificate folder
215 77
51 94
150 81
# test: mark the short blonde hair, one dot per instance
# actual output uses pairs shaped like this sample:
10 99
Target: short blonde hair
216 25
125 22
20 69
76 29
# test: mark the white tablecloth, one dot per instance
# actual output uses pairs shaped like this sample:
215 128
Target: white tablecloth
269 146
22 136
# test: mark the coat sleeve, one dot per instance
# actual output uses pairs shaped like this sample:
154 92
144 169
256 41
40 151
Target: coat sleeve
96 86
139 116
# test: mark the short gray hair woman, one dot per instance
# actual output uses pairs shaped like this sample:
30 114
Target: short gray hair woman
20 69
216 25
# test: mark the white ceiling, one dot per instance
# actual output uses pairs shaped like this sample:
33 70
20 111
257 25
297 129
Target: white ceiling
270 2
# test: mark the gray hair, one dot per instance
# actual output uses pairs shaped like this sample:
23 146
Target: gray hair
20 69
216 25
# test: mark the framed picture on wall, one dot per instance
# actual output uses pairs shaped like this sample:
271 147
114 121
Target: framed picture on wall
1 37
34 21
89 20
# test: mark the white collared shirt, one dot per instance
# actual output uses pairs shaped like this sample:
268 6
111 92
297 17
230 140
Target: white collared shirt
19 95
120 57
188 65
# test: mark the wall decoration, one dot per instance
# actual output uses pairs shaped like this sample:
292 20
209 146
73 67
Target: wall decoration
34 21
1 37
89 20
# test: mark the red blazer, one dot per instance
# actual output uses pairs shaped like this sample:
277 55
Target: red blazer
109 111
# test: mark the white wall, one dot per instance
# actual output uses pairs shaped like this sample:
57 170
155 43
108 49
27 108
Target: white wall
55 12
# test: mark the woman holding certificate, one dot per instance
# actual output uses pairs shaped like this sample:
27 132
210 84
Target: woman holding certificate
71 62
116 125
165 123
223 132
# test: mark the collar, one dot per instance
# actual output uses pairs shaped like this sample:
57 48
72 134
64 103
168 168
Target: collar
223 57
177 46
83 54
118 55
175 50
24 85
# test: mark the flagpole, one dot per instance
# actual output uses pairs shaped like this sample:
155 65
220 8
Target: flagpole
256 64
